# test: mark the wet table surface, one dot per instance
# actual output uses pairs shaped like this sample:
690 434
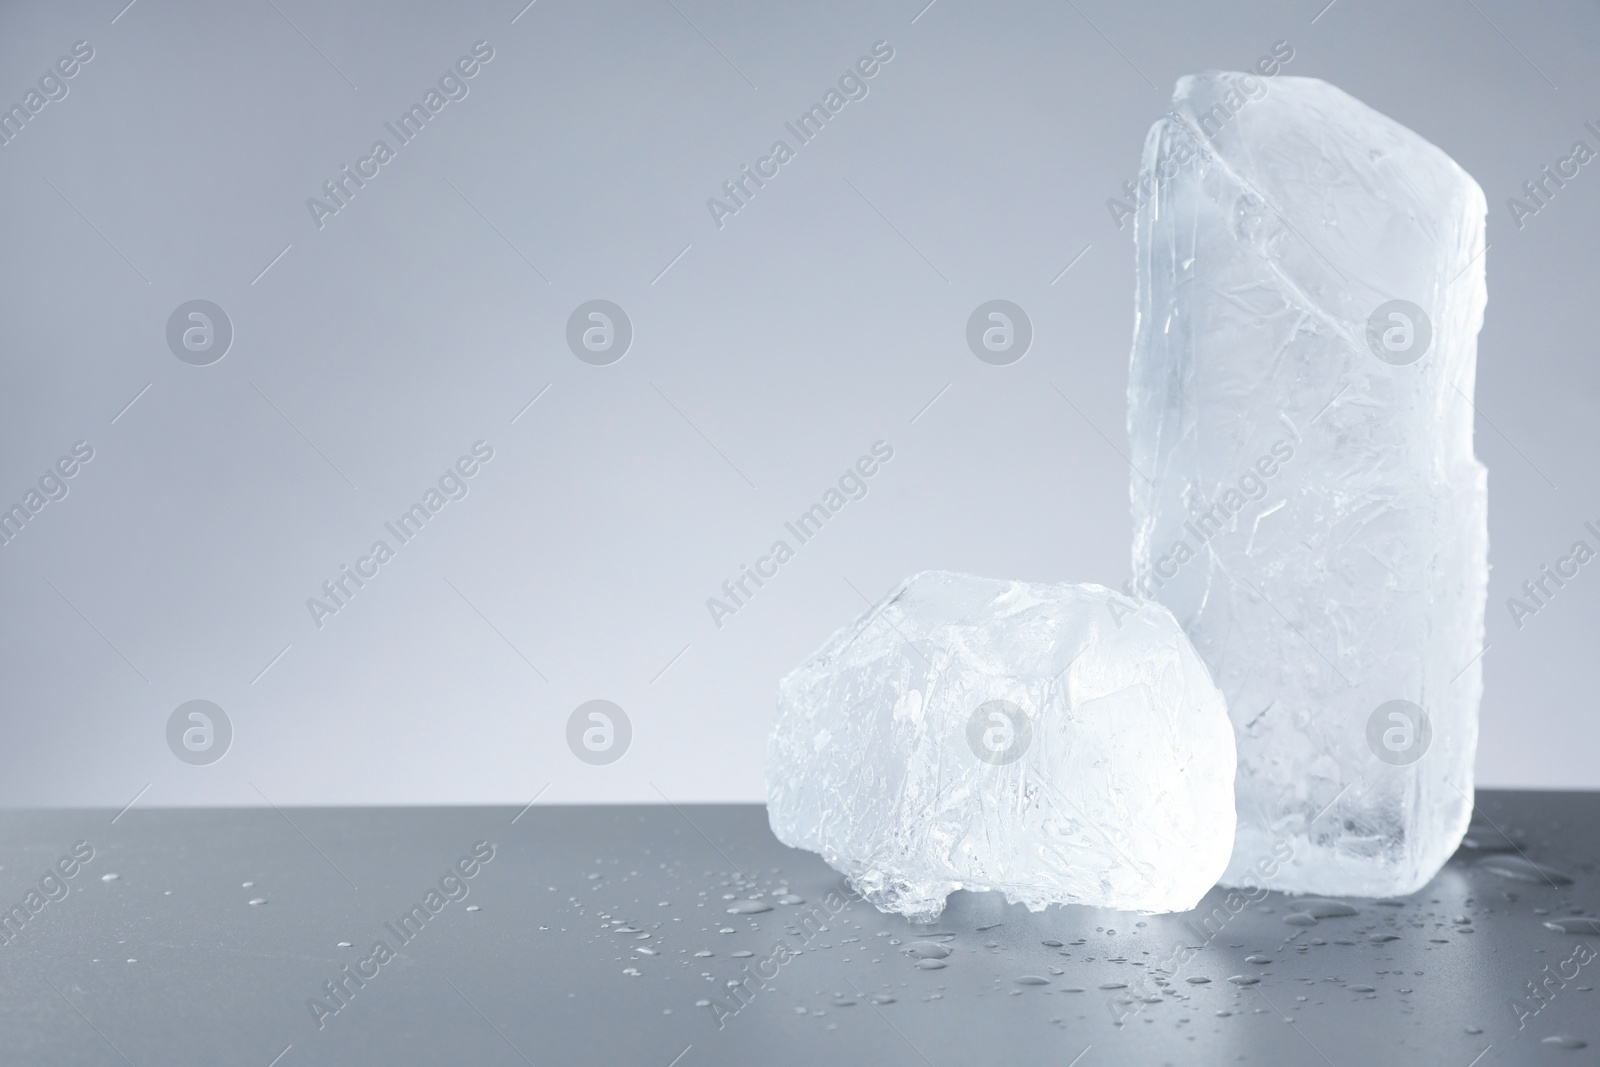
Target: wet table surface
616 935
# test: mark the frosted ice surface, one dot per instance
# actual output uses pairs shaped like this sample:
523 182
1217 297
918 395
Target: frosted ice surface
1055 743
1311 284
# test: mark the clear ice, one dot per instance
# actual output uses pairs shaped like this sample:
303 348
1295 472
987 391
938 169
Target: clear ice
1055 743
1305 495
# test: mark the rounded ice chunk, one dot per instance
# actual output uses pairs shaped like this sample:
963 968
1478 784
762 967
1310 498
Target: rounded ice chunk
1055 743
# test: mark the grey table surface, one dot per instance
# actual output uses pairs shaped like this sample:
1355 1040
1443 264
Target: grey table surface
603 935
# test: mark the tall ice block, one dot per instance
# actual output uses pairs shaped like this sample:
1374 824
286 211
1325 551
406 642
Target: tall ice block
1305 496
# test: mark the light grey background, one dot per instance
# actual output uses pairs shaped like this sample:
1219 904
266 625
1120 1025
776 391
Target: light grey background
767 357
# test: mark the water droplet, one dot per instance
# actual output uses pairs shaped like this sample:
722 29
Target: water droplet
644 950
473 907
1519 869
790 898
632 972
749 907
703 952
881 998
109 877
1114 985
926 950
1574 925
1484 838
1474 1029
247 885
1361 989
1197 980
1562 1041
1052 943
258 900
930 965
345 944
843 1002
1257 960
1383 939
1223 1014
1031 979
1072 989
1244 979
1327 909
743 954
702 1003
726 930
